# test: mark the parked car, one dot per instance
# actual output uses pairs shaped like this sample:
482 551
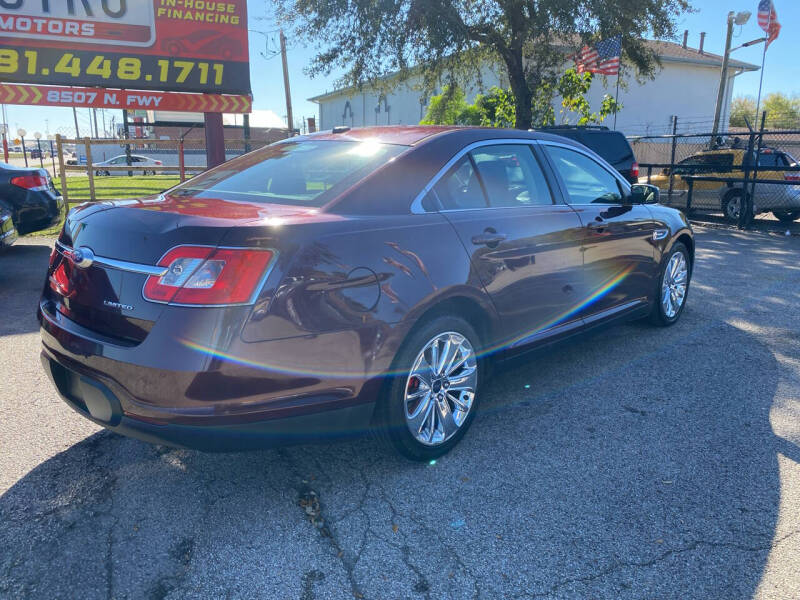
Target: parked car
30 197
37 153
349 280
8 233
611 145
782 200
137 162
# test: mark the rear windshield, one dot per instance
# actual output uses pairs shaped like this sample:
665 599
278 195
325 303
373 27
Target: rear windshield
611 145
304 173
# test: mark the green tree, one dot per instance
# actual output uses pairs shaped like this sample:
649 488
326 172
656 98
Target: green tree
529 38
497 108
742 107
783 112
573 87
448 108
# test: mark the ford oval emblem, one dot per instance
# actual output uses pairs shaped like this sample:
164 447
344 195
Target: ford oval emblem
82 257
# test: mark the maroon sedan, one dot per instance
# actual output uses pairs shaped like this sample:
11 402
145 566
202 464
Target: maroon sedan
348 281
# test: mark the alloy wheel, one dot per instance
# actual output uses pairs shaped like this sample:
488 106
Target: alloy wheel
673 286
440 389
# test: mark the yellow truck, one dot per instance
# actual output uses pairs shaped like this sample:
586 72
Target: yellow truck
780 199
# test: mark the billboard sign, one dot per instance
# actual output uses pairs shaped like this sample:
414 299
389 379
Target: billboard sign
51 95
166 45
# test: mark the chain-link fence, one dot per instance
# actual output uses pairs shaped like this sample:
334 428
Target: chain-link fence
105 169
738 175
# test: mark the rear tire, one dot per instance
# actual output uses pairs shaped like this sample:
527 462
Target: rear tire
673 287
786 216
425 414
731 205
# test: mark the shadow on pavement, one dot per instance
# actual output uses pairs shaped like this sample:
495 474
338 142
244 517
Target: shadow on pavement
639 463
22 271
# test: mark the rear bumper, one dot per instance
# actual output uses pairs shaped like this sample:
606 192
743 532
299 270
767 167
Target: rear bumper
39 210
163 392
93 399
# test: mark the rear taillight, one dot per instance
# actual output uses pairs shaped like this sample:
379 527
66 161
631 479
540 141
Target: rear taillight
159 163
635 170
203 275
35 183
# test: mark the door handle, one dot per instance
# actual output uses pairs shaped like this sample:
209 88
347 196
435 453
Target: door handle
488 238
597 226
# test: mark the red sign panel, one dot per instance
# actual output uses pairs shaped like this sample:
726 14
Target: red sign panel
168 45
40 95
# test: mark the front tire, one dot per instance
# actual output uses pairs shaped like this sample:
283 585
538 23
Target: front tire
673 287
432 399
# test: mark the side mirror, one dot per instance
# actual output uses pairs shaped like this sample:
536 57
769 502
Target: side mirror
644 193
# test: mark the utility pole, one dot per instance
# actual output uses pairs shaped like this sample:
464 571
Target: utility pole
739 18
75 116
96 131
723 77
289 116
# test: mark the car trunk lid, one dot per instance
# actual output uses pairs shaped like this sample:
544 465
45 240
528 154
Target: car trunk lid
107 251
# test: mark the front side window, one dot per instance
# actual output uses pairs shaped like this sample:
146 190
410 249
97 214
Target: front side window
511 176
306 173
587 182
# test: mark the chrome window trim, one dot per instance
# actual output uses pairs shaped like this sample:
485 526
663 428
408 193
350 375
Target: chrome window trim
119 265
416 204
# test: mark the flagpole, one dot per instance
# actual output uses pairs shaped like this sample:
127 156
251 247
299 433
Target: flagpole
616 96
763 61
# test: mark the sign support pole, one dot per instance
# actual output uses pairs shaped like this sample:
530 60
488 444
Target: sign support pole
127 133
215 140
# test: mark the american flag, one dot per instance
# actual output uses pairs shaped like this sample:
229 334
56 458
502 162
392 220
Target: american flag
602 58
768 20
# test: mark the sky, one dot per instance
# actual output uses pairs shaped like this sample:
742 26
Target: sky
780 74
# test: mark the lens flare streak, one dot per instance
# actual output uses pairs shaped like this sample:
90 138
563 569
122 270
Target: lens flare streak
599 293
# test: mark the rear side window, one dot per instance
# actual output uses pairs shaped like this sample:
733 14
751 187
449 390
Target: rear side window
587 182
772 159
511 176
611 145
460 188
305 173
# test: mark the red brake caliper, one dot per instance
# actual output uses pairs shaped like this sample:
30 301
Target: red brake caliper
413 386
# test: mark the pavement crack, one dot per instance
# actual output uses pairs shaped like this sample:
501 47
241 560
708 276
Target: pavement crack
690 547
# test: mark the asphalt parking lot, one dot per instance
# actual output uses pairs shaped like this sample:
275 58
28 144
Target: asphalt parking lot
640 463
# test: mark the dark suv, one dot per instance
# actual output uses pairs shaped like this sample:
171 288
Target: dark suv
609 144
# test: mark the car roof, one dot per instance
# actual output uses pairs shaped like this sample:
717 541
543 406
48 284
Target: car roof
412 135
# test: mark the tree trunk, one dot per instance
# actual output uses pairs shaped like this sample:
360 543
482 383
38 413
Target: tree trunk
519 86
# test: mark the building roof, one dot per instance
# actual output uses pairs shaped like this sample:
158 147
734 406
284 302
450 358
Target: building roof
667 52
672 52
